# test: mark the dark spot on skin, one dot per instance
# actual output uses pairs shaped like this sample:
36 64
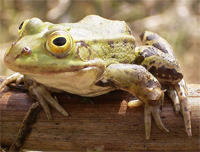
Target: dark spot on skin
131 45
152 37
111 44
151 84
125 42
165 73
150 51
32 58
186 109
132 74
152 62
160 47
145 66
126 61
126 72
138 60
153 70
130 32
113 56
142 36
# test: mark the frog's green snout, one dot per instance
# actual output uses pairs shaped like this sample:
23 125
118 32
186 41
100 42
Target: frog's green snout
11 56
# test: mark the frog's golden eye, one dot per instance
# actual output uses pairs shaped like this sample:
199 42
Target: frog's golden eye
59 42
21 27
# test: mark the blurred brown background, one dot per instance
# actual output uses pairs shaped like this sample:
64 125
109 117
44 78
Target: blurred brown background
175 20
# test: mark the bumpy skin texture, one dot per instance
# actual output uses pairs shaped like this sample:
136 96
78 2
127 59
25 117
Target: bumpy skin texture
95 56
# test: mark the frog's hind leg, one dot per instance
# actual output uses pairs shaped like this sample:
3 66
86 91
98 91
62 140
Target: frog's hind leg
168 73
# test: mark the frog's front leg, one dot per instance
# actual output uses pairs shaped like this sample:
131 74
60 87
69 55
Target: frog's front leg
43 96
142 84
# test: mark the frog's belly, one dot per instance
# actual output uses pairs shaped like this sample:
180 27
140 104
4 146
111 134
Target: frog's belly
81 83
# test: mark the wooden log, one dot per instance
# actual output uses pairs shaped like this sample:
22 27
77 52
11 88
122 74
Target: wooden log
104 121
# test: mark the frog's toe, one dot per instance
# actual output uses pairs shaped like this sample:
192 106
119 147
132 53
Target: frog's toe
155 112
55 104
184 106
13 78
20 79
174 97
186 115
134 103
43 103
147 122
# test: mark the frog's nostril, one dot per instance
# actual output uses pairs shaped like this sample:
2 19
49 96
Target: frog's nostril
13 44
26 51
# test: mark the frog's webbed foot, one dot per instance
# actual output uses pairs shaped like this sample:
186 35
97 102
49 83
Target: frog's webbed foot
16 77
44 97
149 112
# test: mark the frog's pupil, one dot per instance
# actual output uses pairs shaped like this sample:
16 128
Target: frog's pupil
20 27
59 41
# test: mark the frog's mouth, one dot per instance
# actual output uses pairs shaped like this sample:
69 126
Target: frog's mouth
56 68
27 62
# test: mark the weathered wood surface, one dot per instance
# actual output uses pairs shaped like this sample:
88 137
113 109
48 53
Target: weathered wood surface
108 122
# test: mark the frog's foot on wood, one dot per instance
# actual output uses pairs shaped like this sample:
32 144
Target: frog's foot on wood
149 112
184 105
178 94
16 77
44 97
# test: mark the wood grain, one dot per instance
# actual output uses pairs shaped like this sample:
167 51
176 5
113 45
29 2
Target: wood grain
101 121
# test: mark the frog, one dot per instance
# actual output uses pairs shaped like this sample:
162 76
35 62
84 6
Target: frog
95 56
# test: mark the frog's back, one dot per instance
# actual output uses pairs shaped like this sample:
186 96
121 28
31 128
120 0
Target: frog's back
111 39
95 27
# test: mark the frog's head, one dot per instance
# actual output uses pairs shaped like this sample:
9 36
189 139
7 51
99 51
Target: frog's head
46 48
